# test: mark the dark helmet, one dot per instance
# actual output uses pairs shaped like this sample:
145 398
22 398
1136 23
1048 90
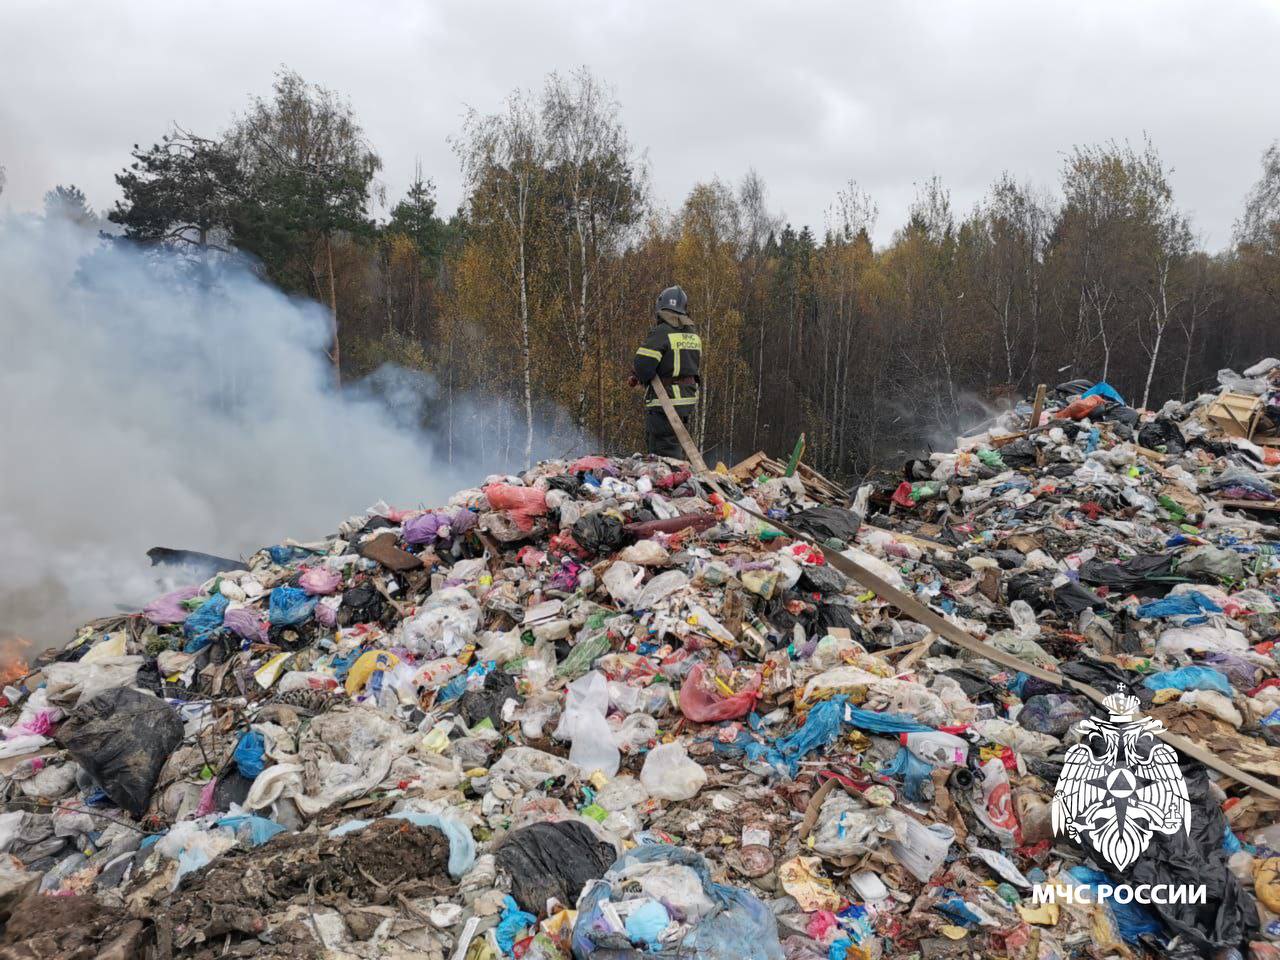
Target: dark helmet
673 299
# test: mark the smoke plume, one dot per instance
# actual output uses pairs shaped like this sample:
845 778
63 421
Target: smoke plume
144 403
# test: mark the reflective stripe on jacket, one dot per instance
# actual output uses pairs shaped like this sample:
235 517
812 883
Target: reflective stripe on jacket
675 355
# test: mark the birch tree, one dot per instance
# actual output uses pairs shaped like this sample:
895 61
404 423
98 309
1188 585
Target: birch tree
504 157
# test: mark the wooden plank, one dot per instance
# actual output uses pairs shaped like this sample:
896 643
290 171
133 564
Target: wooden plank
1037 407
1267 506
677 426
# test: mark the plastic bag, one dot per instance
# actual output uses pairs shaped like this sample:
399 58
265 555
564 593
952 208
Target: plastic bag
73 682
446 623
290 606
669 773
725 923
552 861
1081 408
600 534
318 581
827 523
523 504
702 701
122 738
170 609
623 581
1189 678
249 754
646 553
583 722
661 587
203 623
922 850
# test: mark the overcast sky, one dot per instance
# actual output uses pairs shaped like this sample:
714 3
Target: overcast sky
810 94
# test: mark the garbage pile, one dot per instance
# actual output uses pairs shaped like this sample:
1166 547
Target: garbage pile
606 709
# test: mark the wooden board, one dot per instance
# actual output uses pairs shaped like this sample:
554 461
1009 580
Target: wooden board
1267 506
1037 407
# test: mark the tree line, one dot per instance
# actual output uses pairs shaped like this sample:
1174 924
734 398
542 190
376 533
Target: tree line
536 291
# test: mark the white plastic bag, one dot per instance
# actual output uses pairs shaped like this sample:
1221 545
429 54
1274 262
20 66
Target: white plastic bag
623 580
669 774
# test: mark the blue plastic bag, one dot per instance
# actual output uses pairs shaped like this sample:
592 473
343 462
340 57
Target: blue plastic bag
204 622
291 605
514 920
260 828
249 754
914 771
646 923
740 928
1103 389
282 555
1189 678
878 722
1190 604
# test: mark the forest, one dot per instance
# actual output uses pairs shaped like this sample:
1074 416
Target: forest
536 291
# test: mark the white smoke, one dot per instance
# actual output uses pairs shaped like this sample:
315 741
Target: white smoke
139 408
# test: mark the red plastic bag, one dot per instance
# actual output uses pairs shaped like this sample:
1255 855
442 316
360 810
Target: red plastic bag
902 496
523 503
1079 409
702 701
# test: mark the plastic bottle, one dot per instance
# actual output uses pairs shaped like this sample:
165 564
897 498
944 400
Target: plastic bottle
936 747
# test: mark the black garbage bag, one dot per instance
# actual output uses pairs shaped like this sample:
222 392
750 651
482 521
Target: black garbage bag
498 688
1229 917
600 534
1107 677
823 579
831 615
1072 598
1053 713
361 604
1034 590
566 482
826 523
553 860
783 621
1116 413
122 738
1144 575
378 523
1019 453
1162 432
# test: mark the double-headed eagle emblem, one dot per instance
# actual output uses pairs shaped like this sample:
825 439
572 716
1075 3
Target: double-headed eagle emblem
1120 785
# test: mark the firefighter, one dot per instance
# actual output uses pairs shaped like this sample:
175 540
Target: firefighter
673 352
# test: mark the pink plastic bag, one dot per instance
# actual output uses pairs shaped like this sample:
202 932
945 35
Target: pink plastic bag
523 503
168 609
703 702
320 581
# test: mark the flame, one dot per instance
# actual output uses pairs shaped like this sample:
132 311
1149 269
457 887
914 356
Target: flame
13 659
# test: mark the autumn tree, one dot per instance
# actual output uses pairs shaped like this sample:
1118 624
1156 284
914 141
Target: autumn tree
706 266
1257 232
310 173
597 188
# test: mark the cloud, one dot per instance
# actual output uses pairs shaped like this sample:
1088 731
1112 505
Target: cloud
811 94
